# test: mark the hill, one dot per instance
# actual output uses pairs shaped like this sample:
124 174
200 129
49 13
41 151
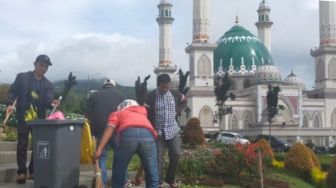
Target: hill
83 86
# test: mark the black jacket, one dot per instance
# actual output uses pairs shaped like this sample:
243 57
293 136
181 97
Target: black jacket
21 90
100 105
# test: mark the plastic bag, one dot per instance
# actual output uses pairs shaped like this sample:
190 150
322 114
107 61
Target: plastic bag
56 115
87 144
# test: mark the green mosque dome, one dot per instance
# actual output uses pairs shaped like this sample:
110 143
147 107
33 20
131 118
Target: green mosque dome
239 47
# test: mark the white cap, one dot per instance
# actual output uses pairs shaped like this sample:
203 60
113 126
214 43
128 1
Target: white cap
109 81
127 103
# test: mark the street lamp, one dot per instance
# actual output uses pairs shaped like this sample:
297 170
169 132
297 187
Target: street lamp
89 76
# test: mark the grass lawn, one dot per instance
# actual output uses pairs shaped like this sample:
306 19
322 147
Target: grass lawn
294 182
133 165
325 159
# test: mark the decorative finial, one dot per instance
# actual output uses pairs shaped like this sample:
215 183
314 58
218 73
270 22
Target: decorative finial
263 3
237 19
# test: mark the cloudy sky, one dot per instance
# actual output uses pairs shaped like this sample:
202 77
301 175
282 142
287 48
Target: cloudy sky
119 38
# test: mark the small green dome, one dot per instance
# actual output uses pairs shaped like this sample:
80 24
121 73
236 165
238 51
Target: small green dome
239 45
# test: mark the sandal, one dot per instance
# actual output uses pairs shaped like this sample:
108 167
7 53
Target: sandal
173 185
137 182
31 176
21 179
128 185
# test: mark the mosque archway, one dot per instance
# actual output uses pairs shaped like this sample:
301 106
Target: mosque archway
332 69
204 66
319 70
333 118
247 120
234 123
247 83
317 123
206 117
305 121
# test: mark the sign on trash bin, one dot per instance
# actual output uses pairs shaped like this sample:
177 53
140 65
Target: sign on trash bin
43 150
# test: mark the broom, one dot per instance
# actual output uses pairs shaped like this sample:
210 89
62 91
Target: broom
97 181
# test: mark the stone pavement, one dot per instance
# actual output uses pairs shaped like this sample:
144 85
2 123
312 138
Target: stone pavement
85 179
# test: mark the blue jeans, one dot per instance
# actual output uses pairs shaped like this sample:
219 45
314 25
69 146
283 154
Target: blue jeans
102 160
135 141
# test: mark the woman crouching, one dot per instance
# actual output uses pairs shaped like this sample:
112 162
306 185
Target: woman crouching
135 134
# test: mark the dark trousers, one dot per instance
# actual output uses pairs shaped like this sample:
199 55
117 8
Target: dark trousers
21 149
174 153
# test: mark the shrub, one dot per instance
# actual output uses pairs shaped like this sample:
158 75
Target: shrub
228 163
316 162
12 118
11 134
331 177
234 162
193 134
265 149
300 160
194 163
278 164
318 176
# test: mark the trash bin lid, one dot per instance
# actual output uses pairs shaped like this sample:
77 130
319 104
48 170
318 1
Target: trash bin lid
55 122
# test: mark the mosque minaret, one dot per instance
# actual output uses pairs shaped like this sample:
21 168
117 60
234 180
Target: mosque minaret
201 50
165 21
264 24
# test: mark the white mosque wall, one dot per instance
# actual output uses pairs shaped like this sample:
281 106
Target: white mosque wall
204 108
201 66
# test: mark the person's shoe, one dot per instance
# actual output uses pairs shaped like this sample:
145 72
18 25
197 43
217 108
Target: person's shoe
21 178
136 182
173 185
128 185
31 176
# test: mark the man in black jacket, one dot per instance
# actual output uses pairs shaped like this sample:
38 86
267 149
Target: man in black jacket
100 105
34 94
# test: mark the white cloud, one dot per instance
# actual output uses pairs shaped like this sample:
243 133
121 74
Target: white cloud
118 38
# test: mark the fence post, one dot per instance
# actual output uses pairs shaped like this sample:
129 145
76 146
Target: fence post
260 170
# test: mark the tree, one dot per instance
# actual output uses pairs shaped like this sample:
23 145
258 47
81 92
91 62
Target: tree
222 86
68 85
272 104
183 78
3 93
141 90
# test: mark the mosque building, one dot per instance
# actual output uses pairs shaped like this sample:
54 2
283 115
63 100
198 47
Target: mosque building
308 115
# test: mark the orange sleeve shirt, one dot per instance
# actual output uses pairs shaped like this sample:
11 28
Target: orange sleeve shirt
130 117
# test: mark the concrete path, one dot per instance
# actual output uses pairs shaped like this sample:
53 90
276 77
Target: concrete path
84 179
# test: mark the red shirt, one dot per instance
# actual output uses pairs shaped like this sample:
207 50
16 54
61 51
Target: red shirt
133 116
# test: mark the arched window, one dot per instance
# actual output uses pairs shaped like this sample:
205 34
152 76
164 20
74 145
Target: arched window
317 121
247 83
332 69
247 120
204 66
305 122
234 122
167 13
319 71
206 117
333 118
233 85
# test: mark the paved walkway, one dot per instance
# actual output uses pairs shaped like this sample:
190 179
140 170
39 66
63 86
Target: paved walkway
85 179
